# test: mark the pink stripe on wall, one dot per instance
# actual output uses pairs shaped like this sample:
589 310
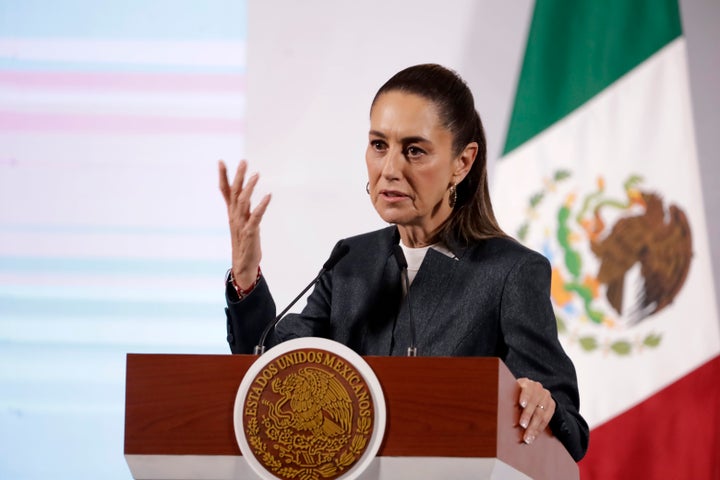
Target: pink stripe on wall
125 81
84 124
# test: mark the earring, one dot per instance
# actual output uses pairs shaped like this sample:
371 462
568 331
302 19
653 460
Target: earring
452 198
367 188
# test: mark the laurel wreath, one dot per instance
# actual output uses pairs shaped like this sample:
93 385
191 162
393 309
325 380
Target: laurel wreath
588 343
326 470
620 347
259 447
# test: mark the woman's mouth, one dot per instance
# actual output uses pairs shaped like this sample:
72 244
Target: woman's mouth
393 195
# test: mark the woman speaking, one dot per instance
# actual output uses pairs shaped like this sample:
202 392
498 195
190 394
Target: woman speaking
472 290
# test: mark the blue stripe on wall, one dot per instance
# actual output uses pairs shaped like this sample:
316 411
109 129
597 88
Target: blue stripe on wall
113 266
82 307
130 19
56 229
11 64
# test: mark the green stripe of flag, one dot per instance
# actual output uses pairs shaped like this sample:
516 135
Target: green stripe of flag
577 48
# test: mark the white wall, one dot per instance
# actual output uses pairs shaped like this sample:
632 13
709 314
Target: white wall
700 22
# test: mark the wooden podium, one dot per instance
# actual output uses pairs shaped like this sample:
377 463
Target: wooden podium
447 418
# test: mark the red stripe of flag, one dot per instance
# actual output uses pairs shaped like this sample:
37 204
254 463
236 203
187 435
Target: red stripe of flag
673 435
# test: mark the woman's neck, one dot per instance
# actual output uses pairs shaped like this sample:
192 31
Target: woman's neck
415 236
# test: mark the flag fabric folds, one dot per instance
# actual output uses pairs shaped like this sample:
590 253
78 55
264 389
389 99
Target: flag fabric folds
600 174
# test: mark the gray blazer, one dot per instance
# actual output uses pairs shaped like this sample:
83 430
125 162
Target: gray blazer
492 299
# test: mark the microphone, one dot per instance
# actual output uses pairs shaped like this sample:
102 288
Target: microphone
337 254
402 264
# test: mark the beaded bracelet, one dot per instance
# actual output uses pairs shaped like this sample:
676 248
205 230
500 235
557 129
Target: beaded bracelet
243 292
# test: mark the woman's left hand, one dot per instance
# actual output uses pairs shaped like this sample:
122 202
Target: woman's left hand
538 408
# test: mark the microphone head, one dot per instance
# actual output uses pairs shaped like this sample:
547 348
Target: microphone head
399 256
337 254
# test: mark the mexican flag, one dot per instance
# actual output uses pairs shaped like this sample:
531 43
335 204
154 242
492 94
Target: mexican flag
600 174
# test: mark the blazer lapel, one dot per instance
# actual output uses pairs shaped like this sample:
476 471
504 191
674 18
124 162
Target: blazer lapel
427 291
378 338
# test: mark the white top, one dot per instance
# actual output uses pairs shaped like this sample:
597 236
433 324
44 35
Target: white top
415 257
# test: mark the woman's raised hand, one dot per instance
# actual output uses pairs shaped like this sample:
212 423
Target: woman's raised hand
244 223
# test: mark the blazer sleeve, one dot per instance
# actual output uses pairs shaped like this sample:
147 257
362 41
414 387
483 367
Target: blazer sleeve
247 318
529 330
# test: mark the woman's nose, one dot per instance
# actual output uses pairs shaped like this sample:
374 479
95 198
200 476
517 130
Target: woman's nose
393 163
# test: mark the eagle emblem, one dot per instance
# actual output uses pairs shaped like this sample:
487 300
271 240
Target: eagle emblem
308 416
617 258
311 400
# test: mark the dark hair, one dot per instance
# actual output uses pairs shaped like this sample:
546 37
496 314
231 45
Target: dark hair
472 218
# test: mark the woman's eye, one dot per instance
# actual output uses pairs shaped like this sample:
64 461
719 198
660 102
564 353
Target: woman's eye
414 152
377 145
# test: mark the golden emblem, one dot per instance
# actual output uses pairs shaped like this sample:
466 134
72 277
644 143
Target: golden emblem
308 415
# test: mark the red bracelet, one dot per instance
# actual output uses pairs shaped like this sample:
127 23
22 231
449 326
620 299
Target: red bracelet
244 292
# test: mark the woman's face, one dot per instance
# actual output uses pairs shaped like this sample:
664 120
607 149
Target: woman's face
410 162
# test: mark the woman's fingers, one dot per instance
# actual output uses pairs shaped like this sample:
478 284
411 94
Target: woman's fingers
237 185
238 195
257 214
538 408
232 193
249 233
244 222
242 200
224 184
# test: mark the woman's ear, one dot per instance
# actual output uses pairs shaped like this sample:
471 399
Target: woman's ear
464 162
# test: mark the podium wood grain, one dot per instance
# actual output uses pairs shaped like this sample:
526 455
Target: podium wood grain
436 407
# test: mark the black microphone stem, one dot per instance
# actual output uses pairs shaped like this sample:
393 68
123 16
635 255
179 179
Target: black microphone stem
403 266
260 347
412 349
338 252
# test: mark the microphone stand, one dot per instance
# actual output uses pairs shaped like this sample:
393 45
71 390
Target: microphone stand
402 264
338 253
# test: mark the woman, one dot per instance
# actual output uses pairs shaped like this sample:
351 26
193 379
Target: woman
475 291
